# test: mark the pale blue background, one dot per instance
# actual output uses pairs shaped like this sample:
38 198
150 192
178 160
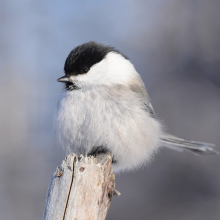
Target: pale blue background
174 45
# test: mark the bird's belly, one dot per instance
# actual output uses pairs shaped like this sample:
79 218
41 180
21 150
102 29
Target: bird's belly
88 119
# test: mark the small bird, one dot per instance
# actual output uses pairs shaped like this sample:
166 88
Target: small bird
105 108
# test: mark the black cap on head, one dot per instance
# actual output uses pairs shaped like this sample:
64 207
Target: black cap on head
83 57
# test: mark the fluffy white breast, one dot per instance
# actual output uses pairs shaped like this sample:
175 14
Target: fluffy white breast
112 117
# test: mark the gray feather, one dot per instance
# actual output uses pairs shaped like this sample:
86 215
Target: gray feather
138 86
197 148
170 141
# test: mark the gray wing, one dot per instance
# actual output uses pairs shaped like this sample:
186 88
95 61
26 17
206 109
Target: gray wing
139 87
170 141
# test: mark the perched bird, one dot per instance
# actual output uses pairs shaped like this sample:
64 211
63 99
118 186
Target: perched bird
105 108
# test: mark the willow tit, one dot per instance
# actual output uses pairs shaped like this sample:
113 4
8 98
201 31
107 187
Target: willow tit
105 107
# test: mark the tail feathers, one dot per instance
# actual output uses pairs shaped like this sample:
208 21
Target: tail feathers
197 148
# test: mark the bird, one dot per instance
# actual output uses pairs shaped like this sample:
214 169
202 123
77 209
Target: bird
105 108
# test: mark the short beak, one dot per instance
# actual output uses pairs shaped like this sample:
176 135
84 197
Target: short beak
64 79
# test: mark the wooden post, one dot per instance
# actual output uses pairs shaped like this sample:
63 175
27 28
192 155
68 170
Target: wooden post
81 189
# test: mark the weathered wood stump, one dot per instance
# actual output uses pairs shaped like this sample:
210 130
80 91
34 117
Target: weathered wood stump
81 188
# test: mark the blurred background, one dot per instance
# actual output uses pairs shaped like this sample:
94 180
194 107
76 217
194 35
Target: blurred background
174 45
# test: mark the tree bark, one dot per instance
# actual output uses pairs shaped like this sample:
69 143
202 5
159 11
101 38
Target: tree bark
81 189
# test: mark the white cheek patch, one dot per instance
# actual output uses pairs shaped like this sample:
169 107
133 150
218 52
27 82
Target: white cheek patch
96 74
113 69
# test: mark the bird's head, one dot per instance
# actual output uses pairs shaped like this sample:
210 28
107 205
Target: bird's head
92 64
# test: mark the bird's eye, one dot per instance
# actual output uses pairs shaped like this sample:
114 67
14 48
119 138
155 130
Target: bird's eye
85 70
